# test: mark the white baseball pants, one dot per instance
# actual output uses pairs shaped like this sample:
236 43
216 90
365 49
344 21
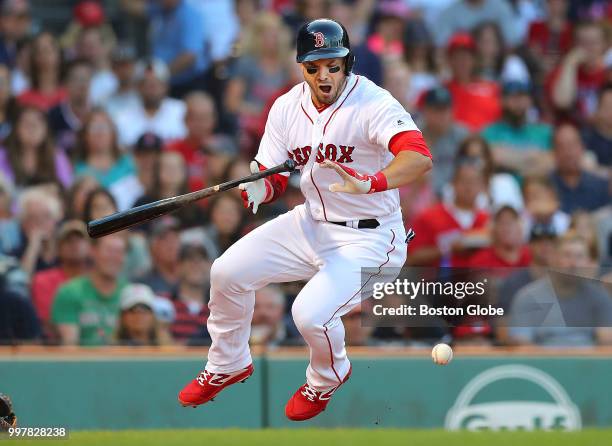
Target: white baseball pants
294 247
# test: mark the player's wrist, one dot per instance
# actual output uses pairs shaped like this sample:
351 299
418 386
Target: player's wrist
378 182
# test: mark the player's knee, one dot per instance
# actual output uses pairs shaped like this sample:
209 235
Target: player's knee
305 319
221 274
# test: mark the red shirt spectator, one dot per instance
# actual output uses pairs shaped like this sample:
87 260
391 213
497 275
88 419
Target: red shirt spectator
41 100
490 258
187 324
44 285
476 102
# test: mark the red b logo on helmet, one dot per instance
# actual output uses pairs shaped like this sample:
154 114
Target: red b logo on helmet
319 39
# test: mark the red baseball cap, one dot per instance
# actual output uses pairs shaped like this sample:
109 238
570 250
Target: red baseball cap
89 13
461 41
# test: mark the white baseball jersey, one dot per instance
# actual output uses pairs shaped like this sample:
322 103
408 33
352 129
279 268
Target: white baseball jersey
355 131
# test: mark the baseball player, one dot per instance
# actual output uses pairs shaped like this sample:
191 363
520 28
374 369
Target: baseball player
354 145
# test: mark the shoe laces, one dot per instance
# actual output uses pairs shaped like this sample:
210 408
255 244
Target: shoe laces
309 392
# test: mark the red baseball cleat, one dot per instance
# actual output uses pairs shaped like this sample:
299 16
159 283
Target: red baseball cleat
208 384
307 402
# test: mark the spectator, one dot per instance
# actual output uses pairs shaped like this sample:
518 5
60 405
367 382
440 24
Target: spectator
420 55
448 233
542 205
577 188
154 112
573 310
542 239
597 136
397 80
73 255
138 324
98 154
464 15
200 120
190 298
475 101
551 37
146 154
66 118
164 245
18 321
225 224
29 157
92 48
574 84
519 145
259 72
494 62
179 39
15 22
76 196
5 102
501 188
387 39
85 309
170 180
125 96
219 39
45 90
507 249
39 214
98 203
270 325
442 134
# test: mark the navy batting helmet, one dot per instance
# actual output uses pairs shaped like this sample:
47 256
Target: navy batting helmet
324 39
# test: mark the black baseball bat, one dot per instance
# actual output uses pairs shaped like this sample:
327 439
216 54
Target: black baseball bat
140 214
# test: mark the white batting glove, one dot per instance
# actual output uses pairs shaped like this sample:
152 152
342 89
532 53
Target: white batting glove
255 192
355 182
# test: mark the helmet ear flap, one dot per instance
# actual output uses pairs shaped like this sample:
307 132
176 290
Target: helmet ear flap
349 62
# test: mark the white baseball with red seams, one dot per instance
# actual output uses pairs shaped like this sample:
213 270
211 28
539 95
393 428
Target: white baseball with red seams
301 244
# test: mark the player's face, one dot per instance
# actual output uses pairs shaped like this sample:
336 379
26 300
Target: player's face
326 79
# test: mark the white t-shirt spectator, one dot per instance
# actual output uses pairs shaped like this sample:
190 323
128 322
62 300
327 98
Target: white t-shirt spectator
167 123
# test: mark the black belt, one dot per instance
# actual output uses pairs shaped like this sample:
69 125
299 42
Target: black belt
369 223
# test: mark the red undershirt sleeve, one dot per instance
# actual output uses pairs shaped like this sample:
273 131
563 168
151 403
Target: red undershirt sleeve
409 140
275 185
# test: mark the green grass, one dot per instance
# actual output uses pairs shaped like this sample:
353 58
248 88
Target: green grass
324 437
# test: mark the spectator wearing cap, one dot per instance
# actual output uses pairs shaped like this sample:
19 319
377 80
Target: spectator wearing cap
66 118
542 239
39 213
154 112
15 22
442 133
138 324
73 256
86 309
550 37
92 47
597 136
450 232
577 188
46 90
123 62
475 101
564 308
200 121
507 249
98 154
465 15
190 298
573 85
519 145
164 246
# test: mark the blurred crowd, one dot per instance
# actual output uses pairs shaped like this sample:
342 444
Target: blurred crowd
132 101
